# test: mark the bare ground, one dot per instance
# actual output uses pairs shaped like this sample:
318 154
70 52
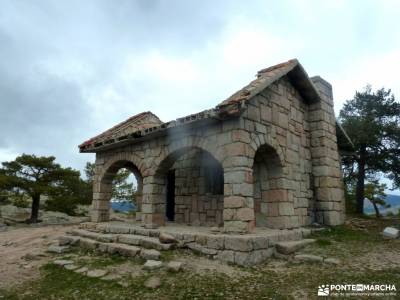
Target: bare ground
23 251
360 249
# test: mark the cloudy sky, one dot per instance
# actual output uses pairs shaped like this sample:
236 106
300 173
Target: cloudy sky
71 69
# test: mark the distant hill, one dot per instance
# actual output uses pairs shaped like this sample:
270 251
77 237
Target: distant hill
123 206
392 200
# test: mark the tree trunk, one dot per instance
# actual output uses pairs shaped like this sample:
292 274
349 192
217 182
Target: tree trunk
360 182
378 215
35 209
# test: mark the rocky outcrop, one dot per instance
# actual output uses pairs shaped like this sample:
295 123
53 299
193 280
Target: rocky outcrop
11 214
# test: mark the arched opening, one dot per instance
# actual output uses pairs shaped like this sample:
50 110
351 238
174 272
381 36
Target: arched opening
268 192
121 187
192 186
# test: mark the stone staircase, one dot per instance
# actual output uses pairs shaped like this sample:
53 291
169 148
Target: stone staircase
119 242
133 240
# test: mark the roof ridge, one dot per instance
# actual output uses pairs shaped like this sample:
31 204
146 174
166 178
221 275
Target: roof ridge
293 61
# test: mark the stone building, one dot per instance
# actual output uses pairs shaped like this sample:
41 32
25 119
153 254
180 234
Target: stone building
267 156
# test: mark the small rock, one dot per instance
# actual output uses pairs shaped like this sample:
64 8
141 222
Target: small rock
150 254
63 262
71 267
30 256
332 261
166 238
58 249
82 270
96 273
152 265
174 266
3 227
308 257
391 232
111 277
152 282
7 243
281 256
123 283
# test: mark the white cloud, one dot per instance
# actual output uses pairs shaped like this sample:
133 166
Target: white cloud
379 70
7 154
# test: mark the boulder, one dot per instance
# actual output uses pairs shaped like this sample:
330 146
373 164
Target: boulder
153 282
292 246
82 210
14 214
150 254
152 265
166 238
391 232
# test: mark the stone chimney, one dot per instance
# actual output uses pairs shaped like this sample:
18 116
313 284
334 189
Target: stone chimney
323 86
328 187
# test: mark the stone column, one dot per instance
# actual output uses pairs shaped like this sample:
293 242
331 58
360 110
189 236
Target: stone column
139 196
328 186
238 200
100 208
153 202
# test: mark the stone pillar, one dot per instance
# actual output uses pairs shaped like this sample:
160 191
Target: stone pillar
238 200
139 196
100 210
153 202
328 185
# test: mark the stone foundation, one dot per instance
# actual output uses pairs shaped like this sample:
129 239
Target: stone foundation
244 250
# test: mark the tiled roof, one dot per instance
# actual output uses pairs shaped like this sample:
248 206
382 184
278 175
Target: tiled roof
265 77
147 123
135 123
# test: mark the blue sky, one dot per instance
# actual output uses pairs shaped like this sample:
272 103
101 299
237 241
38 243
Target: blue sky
71 69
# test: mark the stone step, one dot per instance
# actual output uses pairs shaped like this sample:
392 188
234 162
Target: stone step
129 239
292 246
106 238
144 241
112 248
119 229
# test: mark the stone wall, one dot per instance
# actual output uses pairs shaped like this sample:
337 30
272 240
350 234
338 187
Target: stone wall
195 202
283 182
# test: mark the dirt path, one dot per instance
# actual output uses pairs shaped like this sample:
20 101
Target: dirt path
23 251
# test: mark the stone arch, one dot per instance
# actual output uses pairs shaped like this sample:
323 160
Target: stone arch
273 199
103 185
187 142
260 140
135 160
192 178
